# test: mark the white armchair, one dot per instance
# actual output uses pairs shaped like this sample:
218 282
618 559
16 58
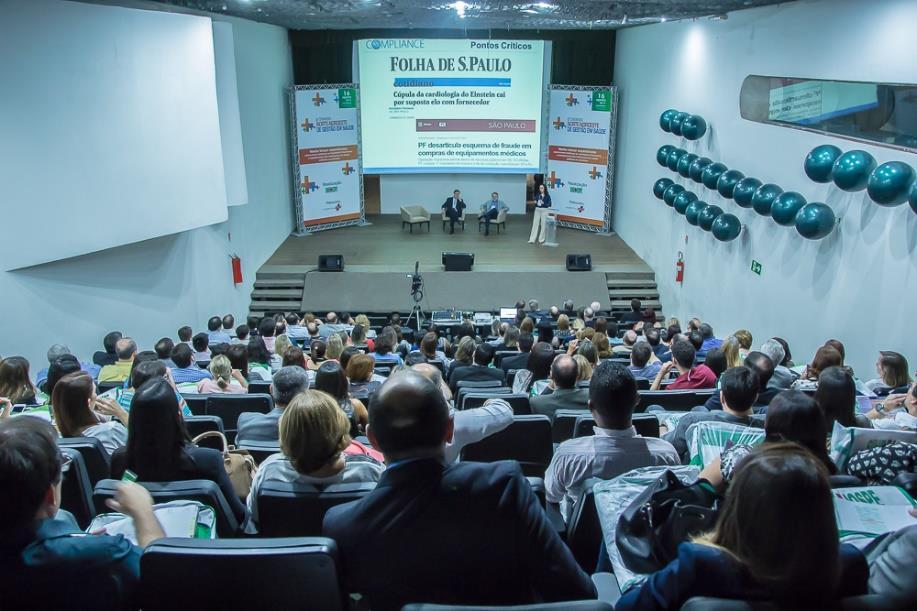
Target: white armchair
460 219
414 215
500 221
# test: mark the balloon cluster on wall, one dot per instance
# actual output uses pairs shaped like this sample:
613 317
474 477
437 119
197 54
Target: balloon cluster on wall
692 127
889 184
813 220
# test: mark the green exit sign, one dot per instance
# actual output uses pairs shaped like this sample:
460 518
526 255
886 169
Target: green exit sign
755 267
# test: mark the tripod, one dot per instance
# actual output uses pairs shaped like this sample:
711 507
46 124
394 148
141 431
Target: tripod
418 316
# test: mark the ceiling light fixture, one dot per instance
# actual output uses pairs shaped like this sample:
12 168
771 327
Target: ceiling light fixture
460 8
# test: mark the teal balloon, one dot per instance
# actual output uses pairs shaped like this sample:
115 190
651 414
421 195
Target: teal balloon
814 221
696 171
764 198
727 182
786 206
684 164
665 117
711 174
676 122
674 156
707 216
694 127
744 190
682 201
889 183
726 227
668 196
852 170
661 185
693 211
819 163
662 155
912 197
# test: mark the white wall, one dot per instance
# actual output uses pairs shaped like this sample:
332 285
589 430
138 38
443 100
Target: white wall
150 288
431 190
857 285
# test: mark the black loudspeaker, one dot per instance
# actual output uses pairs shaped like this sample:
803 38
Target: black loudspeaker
458 261
331 263
579 263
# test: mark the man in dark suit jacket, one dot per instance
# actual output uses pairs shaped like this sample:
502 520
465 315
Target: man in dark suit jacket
466 533
635 315
565 395
519 361
452 208
479 370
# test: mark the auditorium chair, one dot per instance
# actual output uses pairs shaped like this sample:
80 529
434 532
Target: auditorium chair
259 388
674 400
647 425
571 605
459 221
498 222
95 456
104 387
499 355
201 490
382 370
584 531
195 425
228 407
290 509
526 440
287 573
76 490
518 401
491 391
564 423
414 215
870 602
196 402
259 450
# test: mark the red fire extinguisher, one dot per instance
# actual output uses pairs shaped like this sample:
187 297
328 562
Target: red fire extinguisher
236 269
680 268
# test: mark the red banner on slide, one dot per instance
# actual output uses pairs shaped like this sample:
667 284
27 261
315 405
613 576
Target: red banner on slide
475 125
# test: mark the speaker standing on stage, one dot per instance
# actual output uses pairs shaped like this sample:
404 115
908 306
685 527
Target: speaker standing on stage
452 208
539 223
490 209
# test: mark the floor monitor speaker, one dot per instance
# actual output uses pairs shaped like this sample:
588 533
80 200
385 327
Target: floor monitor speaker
579 263
458 261
331 263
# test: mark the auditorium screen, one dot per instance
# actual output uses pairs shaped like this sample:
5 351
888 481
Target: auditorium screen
451 105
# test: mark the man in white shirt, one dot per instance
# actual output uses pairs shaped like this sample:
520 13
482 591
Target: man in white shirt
471 425
294 329
614 449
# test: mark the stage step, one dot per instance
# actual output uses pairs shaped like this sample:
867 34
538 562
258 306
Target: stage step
639 293
624 286
269 283
271 293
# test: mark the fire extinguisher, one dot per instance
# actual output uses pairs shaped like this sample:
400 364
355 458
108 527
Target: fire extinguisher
236 269
680 268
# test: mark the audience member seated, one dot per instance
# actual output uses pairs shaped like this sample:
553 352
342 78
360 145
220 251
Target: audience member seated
408 540
358 337
891 367
643 363
898 412
108 356
313 437
783 376
738 391
836 395
363 381
756 552
479 370
519 361
614 449
201 345
163 349
763 366
330 378
159 450
259 360
564 393
534 378
242 335
317 351
793 416
881 465
654 339
716 362
58 369
385 345
126 350
826 356
745 339
267 329
689 375
141 372
282 343
15 382
294 329
185 370
697 340
225 380
625 348
710 340
215 333
732 352
602 346
254 426
563 332
635 313
583 368
78 412
49 563
58 350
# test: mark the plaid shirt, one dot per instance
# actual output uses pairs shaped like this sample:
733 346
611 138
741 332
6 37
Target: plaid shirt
189 374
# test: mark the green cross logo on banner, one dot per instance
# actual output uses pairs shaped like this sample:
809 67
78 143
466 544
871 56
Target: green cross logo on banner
347 97
601 100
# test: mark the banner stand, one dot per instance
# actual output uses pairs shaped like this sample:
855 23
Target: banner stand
326 157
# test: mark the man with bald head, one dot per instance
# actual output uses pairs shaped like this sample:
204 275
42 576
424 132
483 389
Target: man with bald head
565 394
466 533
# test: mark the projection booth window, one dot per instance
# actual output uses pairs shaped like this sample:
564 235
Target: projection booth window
878 113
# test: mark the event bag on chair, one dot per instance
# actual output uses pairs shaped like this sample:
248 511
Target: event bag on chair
240 465
667 513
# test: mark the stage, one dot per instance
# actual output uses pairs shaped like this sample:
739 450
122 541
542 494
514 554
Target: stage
379 255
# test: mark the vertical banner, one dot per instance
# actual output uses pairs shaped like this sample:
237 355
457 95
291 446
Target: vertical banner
328 187
581 155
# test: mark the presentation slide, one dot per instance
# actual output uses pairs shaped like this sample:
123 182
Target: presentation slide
451 105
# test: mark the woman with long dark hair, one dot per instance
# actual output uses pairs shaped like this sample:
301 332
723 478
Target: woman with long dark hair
330 378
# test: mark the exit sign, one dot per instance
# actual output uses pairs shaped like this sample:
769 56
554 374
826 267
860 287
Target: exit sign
755 267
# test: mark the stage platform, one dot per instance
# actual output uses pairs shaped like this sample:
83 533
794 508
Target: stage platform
379 255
